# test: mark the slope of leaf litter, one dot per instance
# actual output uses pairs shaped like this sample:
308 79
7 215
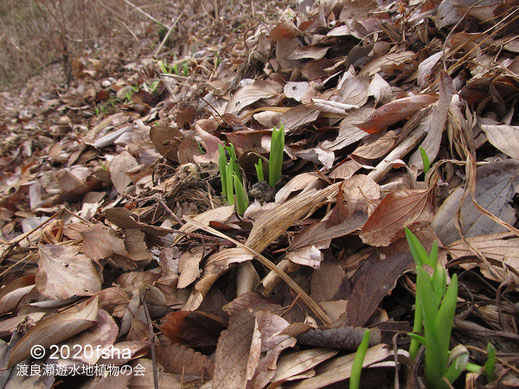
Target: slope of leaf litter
113 176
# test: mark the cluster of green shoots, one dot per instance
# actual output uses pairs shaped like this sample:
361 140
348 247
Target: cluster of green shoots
230 175
435 306
175 68
231 180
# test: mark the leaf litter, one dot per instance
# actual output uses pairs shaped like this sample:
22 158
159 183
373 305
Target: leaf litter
114 232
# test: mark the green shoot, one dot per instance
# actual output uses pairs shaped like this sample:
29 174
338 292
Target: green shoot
437 305
259 170
185 68
357 362
276 155
241 199
425 160
490 364
230 178
175 69
164 67
222 164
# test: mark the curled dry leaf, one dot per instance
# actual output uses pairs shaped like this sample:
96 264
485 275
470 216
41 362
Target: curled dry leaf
395 111
268 341
103 334
55 329
13 292
503 137
339 369
291 365
501 248
284 30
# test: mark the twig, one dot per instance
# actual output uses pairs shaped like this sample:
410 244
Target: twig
316 309
13 242
145 13
168 33
168 210
152 344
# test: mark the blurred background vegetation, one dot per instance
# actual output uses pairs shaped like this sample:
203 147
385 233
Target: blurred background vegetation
37 33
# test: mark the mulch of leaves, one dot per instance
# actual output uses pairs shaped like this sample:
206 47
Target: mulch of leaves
117 244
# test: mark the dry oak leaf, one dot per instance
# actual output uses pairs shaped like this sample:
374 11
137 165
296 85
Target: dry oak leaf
64 273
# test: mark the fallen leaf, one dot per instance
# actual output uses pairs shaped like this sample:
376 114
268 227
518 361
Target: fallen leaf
373 281
396 211
503 137
339 369
395 111
119 166
64 273
496 184
231 357
290 365
54 329
167 141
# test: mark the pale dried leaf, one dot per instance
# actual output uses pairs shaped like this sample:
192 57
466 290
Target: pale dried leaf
64 273
119 166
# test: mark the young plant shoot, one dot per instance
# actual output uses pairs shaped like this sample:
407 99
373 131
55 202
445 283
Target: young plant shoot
230 178
435 306
259 170
277 146
356 369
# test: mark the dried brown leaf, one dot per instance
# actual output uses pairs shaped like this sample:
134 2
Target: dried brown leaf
395 111
293 364
55 329
396 211
119 167
64 273
373 281
167 141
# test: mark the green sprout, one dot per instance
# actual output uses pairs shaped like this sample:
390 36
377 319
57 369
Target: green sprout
165 68
425 160
175 69
490 364
435 306
356 369
276 155
259 170
185 68
241 200
231 180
